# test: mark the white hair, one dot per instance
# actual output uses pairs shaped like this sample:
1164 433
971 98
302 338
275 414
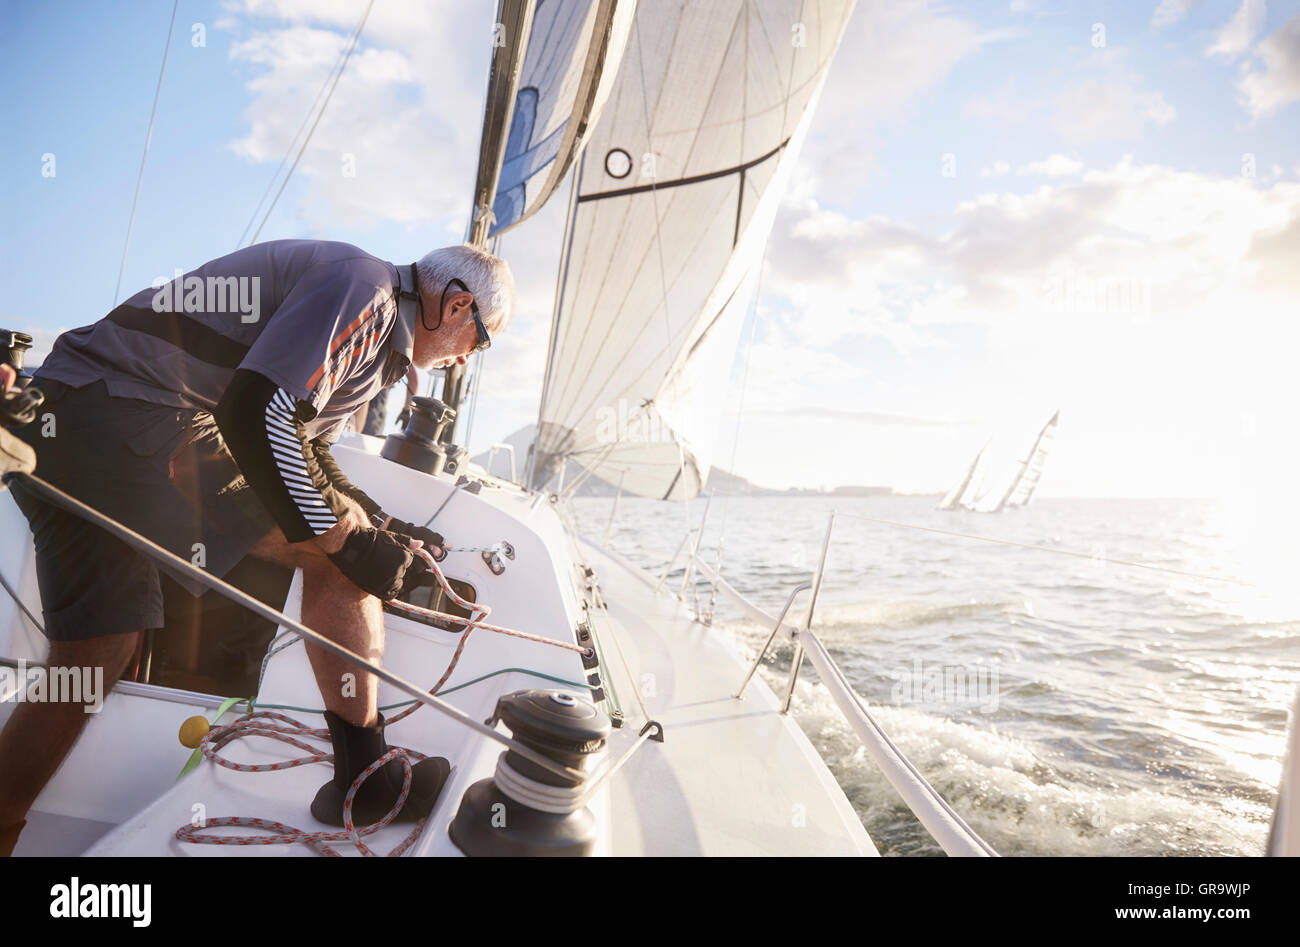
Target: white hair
488 278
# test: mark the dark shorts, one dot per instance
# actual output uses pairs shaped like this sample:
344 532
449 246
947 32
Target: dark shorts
164 472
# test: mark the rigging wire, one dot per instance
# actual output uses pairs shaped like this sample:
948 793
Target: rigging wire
753 326
654 191
337 67
148 138
356 35
480 365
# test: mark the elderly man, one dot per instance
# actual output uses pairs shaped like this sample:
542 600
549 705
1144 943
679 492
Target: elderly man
261 355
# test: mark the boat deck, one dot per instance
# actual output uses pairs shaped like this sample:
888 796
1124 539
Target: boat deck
732 777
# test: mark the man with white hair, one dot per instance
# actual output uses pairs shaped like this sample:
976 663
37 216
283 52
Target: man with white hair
200 413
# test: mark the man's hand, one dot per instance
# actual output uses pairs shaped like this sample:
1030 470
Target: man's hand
378 561
432 541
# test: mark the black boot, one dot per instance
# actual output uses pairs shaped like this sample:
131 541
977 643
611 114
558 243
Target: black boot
355 748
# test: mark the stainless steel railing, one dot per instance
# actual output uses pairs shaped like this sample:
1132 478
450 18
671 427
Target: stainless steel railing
939 818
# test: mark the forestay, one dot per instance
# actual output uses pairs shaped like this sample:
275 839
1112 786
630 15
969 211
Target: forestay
675 197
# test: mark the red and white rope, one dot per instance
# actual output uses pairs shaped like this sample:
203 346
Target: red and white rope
277 726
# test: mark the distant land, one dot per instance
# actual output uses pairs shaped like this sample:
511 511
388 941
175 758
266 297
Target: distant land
720 482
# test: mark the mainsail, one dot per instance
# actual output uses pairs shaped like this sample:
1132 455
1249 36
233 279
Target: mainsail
964 495
674 198
1025 483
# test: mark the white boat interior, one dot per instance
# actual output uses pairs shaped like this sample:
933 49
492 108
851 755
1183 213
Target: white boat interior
731 777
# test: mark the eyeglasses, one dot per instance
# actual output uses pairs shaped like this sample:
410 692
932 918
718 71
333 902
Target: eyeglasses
484 340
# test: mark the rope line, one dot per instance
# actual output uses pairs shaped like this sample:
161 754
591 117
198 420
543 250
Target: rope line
285 729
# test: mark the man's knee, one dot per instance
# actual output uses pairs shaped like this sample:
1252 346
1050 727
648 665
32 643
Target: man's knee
320 576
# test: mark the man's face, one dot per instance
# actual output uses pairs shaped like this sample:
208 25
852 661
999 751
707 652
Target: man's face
454 341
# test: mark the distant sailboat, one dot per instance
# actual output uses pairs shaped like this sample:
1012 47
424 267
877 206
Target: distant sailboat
963 496
1022 488
969 494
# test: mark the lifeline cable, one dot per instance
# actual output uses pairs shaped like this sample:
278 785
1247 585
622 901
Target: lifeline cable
264 723
133 539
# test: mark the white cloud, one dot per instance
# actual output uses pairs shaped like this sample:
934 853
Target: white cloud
1115 108
1276 83
1004 105
1235 36
1132 295
891 53
1055 166
999 168
1171 11
399 113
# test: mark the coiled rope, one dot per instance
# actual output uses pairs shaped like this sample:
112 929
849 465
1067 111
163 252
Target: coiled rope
276 726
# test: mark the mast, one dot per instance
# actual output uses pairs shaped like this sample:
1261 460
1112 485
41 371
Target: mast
513 23
1033 462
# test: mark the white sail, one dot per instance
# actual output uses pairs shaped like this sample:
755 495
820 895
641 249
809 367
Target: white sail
572 60
1031 468
964 495
675 197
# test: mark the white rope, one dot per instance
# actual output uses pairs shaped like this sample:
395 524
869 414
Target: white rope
559 800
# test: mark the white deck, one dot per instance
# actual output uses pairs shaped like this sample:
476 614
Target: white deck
732 777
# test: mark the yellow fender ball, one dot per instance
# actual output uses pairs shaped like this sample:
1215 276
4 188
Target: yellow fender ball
193 731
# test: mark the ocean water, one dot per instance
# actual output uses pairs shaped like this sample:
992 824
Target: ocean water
1064 706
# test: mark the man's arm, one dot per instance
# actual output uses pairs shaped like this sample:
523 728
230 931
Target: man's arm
371 510
339 481
261 426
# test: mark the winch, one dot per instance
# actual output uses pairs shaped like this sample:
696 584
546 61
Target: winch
418 445
524 809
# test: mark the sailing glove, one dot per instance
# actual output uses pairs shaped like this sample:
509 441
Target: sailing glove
432 541
378 561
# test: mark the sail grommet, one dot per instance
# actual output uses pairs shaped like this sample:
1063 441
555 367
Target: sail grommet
524 809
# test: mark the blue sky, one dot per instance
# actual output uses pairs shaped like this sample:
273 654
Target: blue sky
977 177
